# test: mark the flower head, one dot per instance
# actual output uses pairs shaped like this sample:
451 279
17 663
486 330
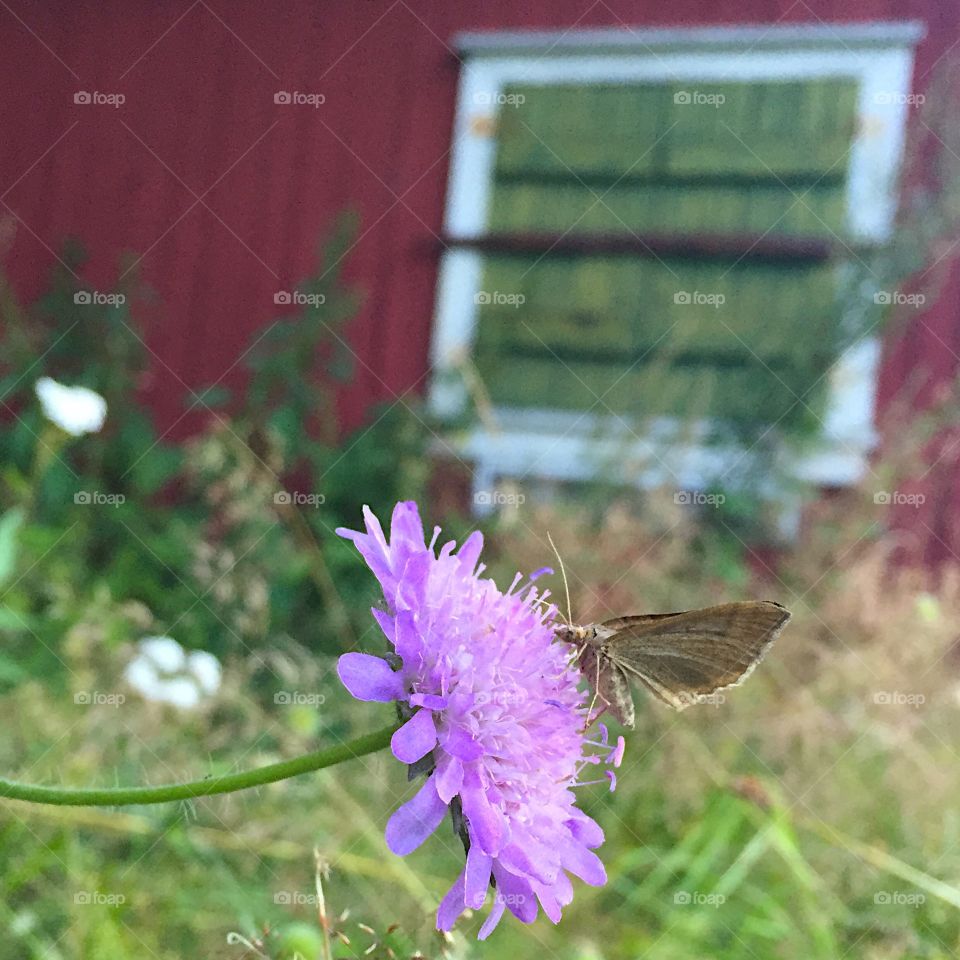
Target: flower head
76 410
493 713
164 672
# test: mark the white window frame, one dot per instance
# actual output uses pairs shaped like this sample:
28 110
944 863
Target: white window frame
563 445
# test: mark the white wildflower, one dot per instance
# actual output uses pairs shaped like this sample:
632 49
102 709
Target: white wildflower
76 410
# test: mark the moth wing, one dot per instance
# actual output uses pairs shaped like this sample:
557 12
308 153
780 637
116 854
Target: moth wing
611 686
638 620
614 687
681 657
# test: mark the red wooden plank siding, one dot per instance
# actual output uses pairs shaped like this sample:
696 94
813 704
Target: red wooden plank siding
199 79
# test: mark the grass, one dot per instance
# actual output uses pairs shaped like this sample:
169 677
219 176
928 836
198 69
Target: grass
811 815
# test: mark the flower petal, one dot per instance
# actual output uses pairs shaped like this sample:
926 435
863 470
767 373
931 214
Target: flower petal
412 823
490 924
449 777
406 640
548 900
406 527
531 859
470 549
585 864
477 877
415 739
587 831
517 894
459 743
369 678
429 700
486 820
451 906
387 625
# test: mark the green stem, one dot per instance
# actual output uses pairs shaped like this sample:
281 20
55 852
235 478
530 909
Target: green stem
125 796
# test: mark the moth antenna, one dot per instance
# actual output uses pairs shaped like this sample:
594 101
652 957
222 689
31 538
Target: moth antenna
563 573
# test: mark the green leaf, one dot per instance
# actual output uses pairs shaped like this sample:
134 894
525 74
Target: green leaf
10 524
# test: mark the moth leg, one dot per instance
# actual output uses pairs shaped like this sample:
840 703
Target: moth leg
593 702
610 686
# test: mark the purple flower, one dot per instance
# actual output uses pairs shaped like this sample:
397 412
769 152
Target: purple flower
494 701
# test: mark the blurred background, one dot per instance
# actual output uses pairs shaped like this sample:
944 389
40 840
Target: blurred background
677 285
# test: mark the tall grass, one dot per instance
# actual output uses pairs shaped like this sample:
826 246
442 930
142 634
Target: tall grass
811 814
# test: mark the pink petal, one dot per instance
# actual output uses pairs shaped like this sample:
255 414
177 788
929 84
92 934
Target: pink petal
451 906
415 739
412 823
369 678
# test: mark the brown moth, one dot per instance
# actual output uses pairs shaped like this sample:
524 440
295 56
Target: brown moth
681 658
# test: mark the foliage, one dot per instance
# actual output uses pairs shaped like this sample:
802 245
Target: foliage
207 537
808 815
805 816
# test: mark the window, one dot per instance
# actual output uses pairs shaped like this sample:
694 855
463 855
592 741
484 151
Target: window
647 230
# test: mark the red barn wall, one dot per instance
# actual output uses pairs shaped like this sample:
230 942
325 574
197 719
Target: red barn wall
225 194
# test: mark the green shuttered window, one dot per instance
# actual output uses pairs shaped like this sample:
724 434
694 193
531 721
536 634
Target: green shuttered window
736 335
